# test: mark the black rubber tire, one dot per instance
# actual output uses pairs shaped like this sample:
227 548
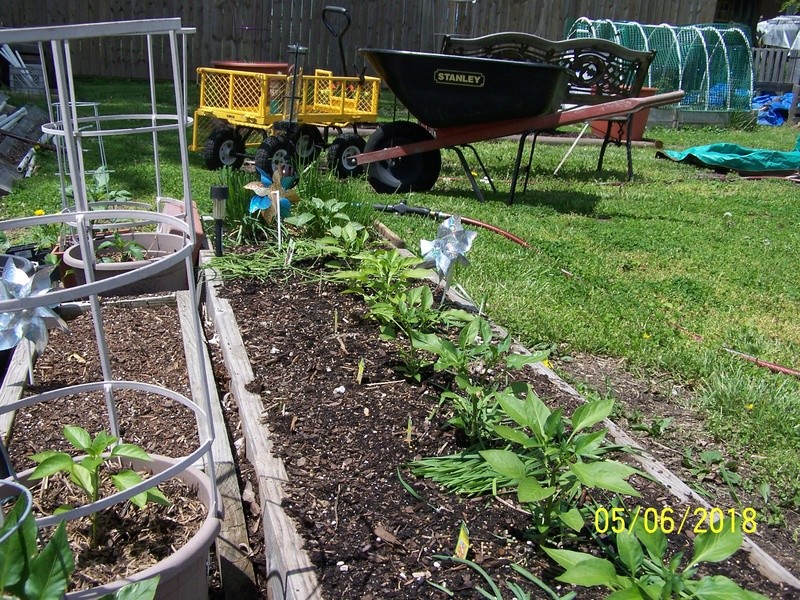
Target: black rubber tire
309 144
414 173
223 148
273 153
343 148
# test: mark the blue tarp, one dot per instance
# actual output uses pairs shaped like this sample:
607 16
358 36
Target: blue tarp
732 157
772 109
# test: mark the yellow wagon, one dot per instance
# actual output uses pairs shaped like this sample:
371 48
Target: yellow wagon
281 115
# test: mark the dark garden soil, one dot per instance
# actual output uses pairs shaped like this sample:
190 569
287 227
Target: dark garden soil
345 433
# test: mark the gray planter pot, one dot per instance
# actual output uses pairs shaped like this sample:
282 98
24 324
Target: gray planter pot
157 246
184 574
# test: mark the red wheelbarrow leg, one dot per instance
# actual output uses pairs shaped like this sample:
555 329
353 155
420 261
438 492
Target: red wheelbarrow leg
456 136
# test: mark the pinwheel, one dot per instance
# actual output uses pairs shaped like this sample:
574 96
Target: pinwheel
28 323
264 190
450 246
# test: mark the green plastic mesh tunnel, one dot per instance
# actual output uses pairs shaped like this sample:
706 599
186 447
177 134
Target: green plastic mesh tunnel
713 64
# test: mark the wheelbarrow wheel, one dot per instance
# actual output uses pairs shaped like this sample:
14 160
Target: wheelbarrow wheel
414 173
341 153
309 144
223 148
273 153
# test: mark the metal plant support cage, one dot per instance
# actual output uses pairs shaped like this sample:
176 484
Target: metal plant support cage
81 220
712 63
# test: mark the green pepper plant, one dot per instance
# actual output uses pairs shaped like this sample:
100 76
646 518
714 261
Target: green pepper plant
91 472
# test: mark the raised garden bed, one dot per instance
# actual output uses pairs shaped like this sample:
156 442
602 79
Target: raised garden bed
323 450
328 448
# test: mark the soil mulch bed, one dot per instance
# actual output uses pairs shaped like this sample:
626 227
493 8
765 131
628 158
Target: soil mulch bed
342 442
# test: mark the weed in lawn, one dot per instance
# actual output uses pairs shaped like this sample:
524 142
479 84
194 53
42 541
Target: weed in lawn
655 428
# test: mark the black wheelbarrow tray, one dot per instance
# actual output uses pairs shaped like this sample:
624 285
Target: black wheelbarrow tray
459 100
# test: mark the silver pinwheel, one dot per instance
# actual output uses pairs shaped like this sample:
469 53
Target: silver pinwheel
26 323
450 246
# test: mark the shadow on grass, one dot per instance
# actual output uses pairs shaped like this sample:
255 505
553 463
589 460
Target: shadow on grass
567 202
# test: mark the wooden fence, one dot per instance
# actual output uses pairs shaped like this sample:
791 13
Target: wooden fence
776 69
254 30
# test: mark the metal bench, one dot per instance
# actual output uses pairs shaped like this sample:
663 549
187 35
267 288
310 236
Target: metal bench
600 71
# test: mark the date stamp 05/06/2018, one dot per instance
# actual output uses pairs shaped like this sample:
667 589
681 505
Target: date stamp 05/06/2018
667 520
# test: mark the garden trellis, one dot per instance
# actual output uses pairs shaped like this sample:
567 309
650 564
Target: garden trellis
713 64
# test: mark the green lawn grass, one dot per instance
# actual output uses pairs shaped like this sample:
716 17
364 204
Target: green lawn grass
665 271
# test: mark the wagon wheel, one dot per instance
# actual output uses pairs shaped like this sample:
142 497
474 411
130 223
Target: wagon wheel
224 148
274 152
341 153
414 173
309 144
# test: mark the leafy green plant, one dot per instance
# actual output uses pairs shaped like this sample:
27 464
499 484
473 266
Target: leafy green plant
98 188
640 568
476 353
120 249
548 459
28 573
710 465
471 359
411 313
345 240
568 458
381 275
89 473
319 216
495 593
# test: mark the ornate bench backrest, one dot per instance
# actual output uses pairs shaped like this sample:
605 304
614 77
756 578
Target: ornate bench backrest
600 70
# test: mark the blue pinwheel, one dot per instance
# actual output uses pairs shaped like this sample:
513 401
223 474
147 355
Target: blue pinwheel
28 323
262 201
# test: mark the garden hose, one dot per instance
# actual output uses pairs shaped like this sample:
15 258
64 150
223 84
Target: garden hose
402 208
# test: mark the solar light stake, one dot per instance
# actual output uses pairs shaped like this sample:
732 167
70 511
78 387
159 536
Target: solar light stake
219 196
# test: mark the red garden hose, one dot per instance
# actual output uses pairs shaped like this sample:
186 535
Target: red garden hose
403 208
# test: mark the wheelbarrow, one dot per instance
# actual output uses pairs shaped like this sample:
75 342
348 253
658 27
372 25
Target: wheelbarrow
459 100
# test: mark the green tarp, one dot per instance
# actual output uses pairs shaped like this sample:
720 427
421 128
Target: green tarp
732 157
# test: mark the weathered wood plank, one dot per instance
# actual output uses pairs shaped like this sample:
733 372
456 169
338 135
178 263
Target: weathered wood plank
14 384
236 569
291 575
